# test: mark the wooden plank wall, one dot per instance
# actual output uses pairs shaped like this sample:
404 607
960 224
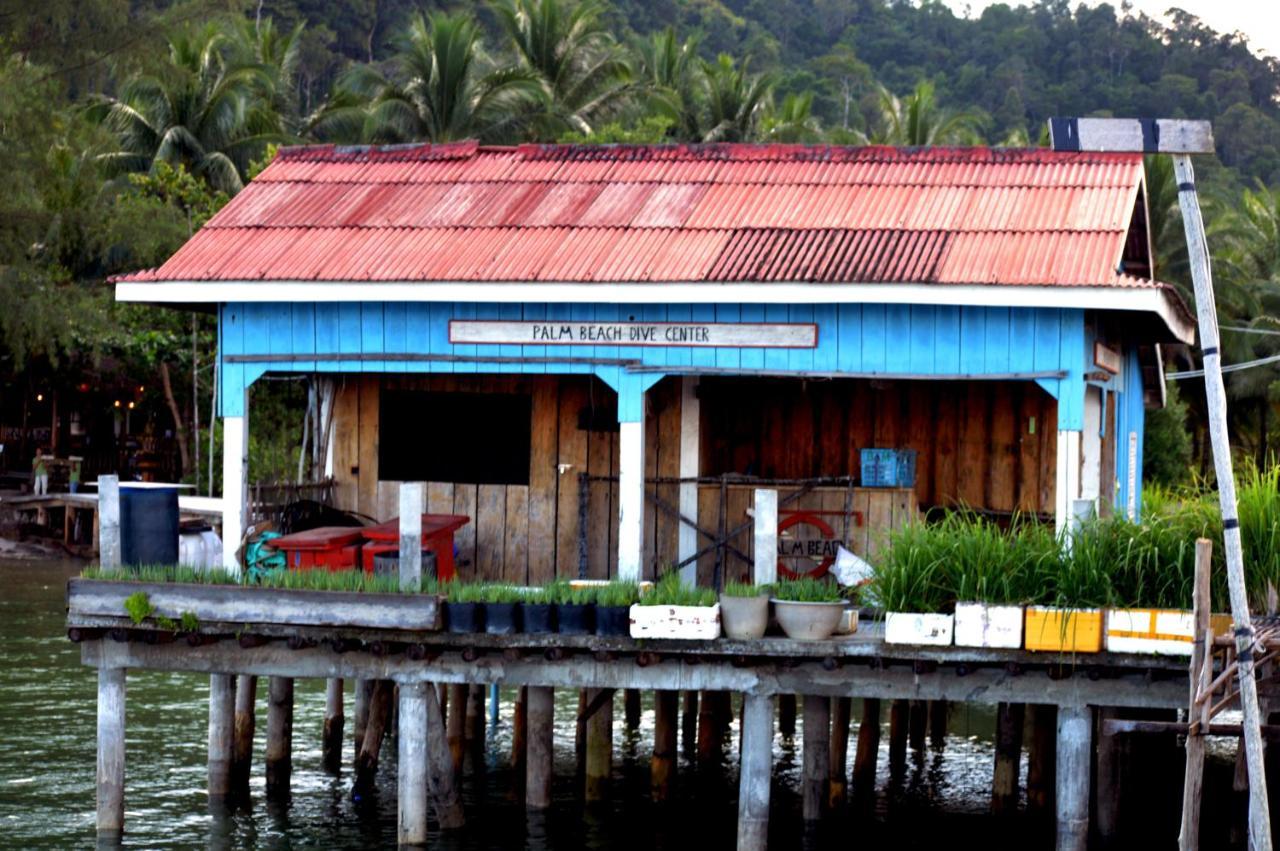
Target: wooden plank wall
986 444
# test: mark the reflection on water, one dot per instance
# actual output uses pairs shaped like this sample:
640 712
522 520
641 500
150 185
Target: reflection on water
47 721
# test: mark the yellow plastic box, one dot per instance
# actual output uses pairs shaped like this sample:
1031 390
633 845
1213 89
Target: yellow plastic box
1054 630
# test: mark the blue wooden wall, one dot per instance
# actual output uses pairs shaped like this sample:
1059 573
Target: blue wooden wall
856 339
1130 417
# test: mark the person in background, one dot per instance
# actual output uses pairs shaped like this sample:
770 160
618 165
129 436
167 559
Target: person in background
73 476
39 474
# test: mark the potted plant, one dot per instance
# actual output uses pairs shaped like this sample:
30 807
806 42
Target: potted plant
991 573
613 607
808 609
674 610
910 583
539 607
575 609
1074 588
744 610
464 609
502 609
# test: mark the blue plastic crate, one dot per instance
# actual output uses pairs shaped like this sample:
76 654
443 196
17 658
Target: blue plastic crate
888 468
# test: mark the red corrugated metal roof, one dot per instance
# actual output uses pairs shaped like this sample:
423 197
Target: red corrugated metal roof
687 213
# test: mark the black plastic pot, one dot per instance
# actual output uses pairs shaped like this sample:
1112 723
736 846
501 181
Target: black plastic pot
502 618
613 620
464 617
576 619
539 618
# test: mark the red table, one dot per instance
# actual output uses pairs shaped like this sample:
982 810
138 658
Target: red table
437 537
332 547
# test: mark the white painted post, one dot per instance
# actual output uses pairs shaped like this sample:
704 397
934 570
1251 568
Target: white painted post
690 468
412 500
765 570
1091 445
111 694
235 463
630 500
411 794
1067 488
109 543
1075 725
755 773
222 714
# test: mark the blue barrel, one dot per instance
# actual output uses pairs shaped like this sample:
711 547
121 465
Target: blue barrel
148 526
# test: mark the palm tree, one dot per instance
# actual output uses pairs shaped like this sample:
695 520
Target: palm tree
582 70
200 111
276 53
667 69
918 120
793 121
437 91
735 100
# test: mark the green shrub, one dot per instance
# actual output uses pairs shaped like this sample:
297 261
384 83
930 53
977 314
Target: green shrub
808 590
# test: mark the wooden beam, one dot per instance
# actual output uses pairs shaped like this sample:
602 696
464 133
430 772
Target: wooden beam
1137 135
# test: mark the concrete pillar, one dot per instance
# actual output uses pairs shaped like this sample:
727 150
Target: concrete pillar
1075 734
111 703
756 772
412 500
411 764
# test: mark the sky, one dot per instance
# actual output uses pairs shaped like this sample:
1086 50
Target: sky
1259 20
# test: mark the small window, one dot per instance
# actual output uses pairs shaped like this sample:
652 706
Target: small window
473 438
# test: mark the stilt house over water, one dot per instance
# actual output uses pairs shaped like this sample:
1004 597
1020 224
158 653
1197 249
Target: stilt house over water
575 344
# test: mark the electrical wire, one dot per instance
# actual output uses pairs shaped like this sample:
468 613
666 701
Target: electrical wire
1234 367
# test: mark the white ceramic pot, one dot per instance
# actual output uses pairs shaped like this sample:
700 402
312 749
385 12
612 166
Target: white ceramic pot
744 618
808 621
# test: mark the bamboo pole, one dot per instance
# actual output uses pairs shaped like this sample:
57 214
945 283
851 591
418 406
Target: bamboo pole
1193 781
1216 397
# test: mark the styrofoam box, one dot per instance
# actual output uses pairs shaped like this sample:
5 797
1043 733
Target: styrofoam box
917 628
687 622
983 625
1164 632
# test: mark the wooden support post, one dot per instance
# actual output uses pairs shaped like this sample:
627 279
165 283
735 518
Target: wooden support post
708 730
689 722
899 712
475 724
599 749
765 525
631 488
868 752
664 743
364 692
279 753
242 750
334 720
690 456
1041 753
938 710
412 501
111 704
222 714
631 708
817 755
756 772
519 733
1075 726
109 522
440 778
235 463
537 787
411 764
787 714
1004 783
457 725
918 725
379 716
1107 791
580 737
1201 662
841 708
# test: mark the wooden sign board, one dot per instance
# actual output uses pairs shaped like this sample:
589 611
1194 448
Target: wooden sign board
1106 357
746 335
1139 135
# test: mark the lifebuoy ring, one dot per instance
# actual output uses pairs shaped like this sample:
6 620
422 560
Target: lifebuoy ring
805 518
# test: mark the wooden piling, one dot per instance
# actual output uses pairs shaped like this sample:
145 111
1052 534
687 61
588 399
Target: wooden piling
689 722
837 776
242 749
222 713
708 733
1075 733
1193 779
110 796
868 752
1041 753
1106 794
475 720
456 722
938 710
537 787
817 755
440 776
756 772
379 716
899 712
664 743
334 720
411 763
580 737
279 752
631 708
918 725
599 747
364 691
519 733
787 714
1004 783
